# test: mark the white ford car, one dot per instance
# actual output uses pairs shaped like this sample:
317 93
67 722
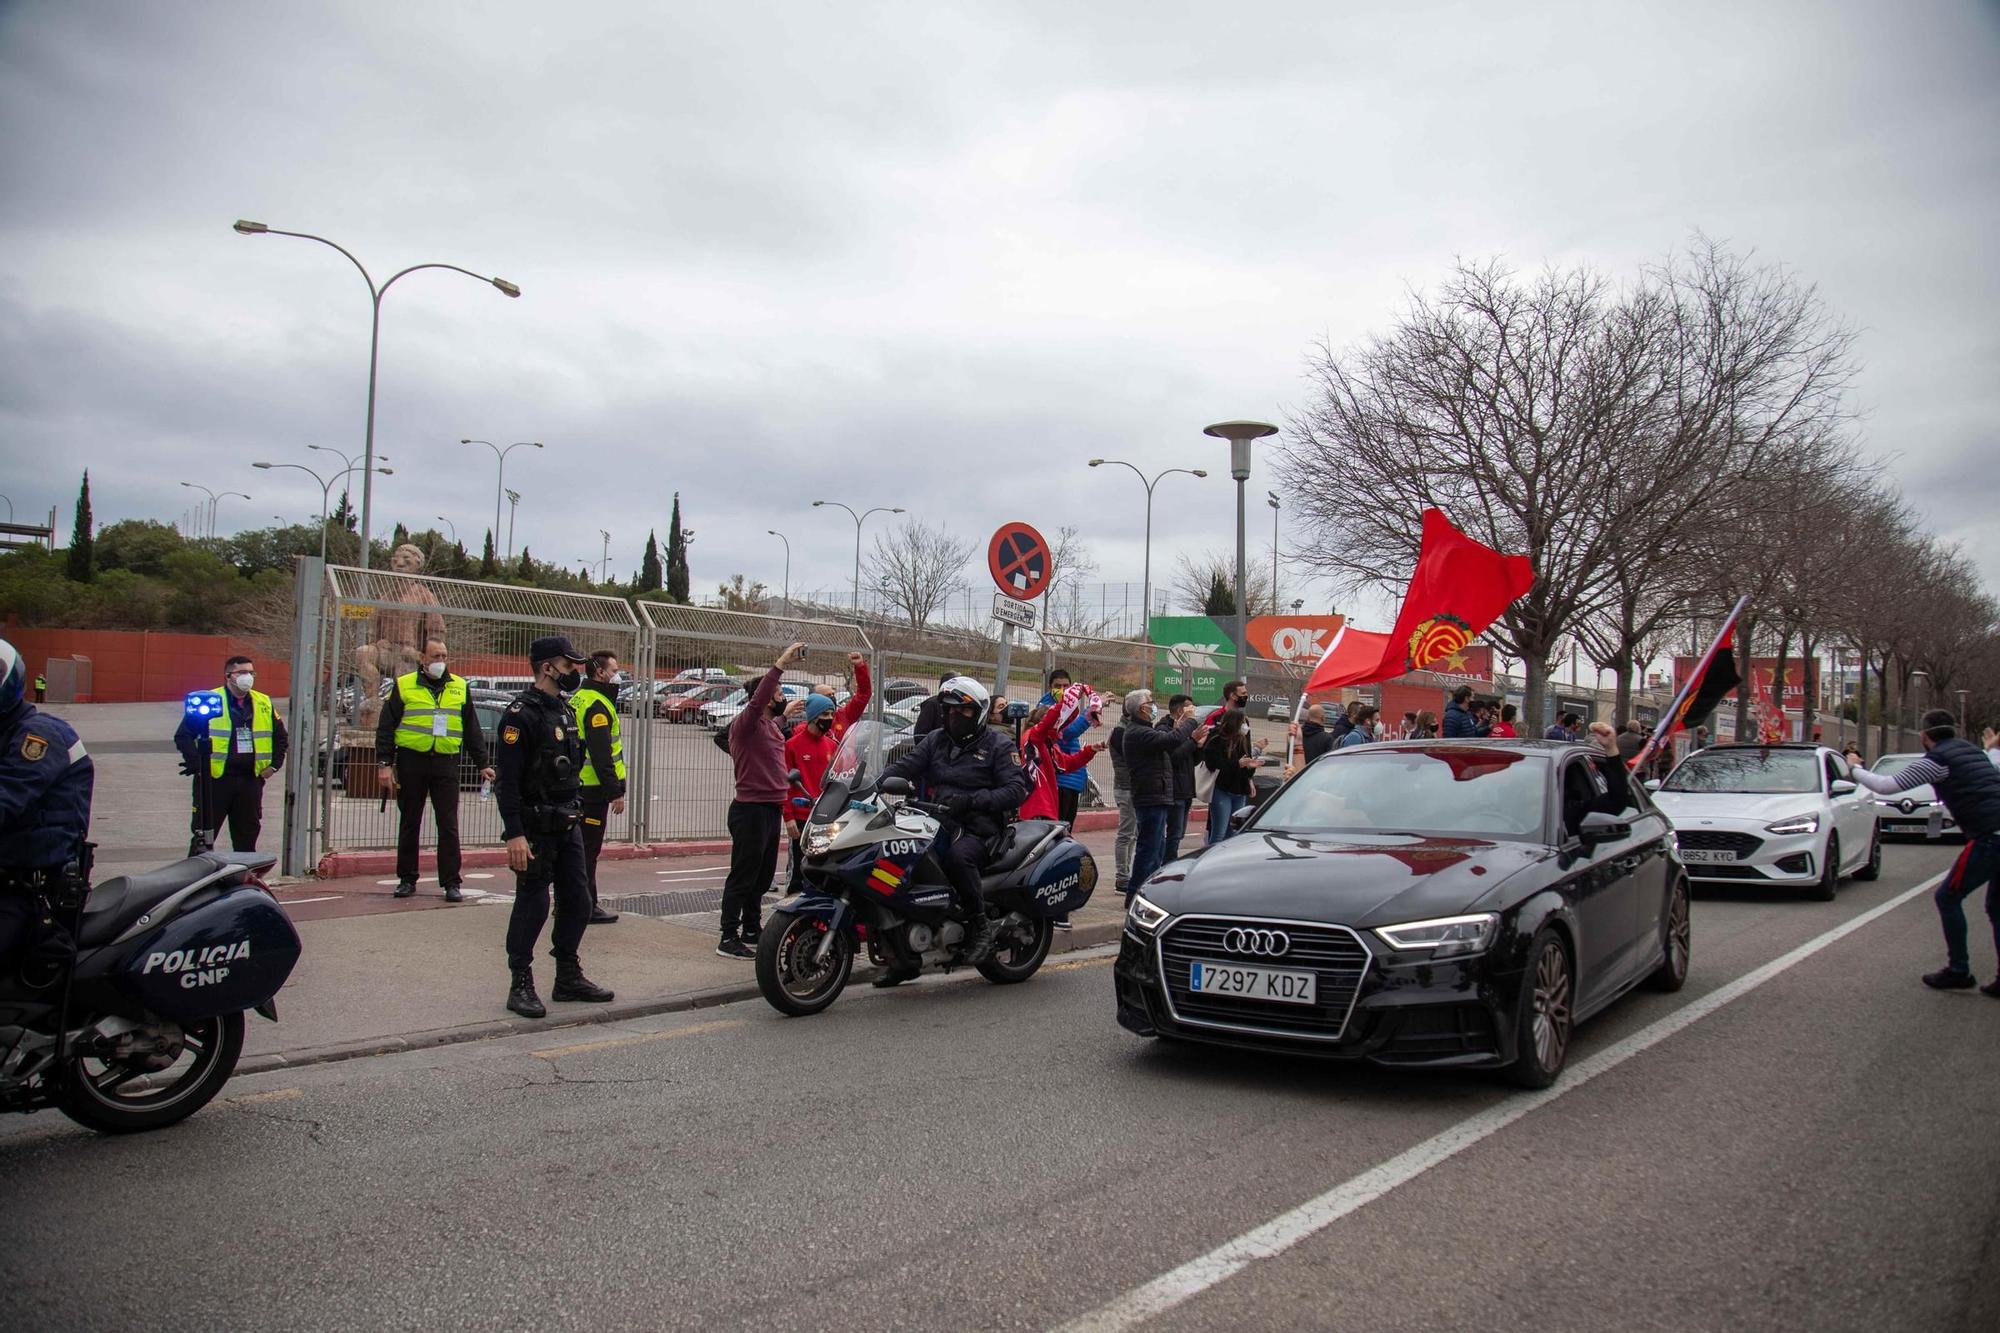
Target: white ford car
1783 815
1909 813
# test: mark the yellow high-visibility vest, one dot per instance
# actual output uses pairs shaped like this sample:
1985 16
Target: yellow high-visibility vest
222 734
580 703
420 730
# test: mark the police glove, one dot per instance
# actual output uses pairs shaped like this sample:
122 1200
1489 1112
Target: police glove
187 769
959 806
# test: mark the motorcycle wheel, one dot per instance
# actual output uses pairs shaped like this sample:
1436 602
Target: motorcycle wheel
94 1092
790 976
1021 954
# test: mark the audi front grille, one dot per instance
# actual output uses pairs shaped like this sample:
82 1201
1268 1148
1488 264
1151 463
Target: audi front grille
1334 954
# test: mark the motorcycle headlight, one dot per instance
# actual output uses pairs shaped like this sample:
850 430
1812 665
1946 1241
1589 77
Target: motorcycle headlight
1144 917
1444 937
1807 823
820 837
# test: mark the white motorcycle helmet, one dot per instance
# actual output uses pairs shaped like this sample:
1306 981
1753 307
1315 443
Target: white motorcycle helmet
964 691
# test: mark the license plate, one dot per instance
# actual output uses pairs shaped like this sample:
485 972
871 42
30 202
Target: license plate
1252 983
1707 858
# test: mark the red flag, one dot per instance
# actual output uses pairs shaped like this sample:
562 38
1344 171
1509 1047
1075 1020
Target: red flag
1459 588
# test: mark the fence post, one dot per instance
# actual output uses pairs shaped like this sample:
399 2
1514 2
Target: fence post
302 760
639 756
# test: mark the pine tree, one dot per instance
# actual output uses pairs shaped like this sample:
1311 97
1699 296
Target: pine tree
1221 600
344 514
82 536
489 565
677 558
650 577
400 537
526 569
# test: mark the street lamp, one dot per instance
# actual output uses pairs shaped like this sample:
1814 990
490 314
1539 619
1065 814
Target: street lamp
500 477
375 295
858 518
453 526
513 500
1147 587
10 508
1239 434
604 564
326 485
773 532
201 525
1271 499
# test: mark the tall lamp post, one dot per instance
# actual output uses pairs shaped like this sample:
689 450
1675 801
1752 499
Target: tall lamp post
500 480
375 295
858 520
773 532
513 502
326 485
201 524
1271 499
453 526
1239 434
1146 588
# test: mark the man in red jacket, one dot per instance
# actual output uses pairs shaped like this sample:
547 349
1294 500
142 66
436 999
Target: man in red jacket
813 745
757 748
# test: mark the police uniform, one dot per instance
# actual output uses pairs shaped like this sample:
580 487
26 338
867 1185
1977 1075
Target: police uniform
595 706
230 755
424 728
46 777
538 763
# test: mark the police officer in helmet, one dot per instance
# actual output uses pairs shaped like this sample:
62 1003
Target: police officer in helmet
538 769
975 773
45 783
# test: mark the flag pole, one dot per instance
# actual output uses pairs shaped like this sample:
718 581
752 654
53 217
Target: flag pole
1299 709
1671 717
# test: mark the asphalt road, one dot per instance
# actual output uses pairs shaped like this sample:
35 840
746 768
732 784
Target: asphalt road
1816 1153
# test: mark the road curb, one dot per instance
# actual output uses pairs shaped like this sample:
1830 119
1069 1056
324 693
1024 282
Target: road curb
1082 937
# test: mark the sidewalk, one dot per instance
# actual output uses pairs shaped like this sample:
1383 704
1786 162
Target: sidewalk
379 974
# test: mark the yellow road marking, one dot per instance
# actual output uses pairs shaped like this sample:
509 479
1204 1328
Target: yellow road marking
583 1048
275 1095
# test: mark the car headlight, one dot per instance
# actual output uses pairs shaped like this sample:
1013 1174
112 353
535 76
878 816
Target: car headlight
1444 937
1807 823
819 837
1145 917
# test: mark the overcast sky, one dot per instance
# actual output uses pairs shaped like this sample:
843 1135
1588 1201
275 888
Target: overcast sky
771 253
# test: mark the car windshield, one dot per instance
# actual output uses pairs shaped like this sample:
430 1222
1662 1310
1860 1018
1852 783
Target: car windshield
1747 771
1493 793
1893 763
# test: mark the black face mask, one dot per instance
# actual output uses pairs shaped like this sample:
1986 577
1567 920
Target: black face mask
567 681
960 727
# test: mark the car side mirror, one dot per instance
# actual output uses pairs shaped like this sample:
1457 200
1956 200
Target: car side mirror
1600 827
1240 818
896 786
1842 787
1652 784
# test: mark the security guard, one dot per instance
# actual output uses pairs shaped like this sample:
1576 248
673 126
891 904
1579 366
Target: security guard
229 757
538 763
426 721
41 687
595 704
45 783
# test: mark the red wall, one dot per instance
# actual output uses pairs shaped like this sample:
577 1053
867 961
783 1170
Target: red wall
137 666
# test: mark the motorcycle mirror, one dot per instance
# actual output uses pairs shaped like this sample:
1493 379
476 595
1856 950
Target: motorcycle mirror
896 786
796 776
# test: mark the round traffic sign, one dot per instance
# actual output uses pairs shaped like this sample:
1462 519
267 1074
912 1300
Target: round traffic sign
1019 561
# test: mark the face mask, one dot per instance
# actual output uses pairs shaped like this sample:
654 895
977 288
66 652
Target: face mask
568 681
243 680
960 727
435 670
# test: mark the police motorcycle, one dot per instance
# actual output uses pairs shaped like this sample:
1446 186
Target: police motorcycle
869 878
127 1011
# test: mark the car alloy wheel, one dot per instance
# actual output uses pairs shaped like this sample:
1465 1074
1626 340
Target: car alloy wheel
1873 870
1542 1030
1828 883
1672 972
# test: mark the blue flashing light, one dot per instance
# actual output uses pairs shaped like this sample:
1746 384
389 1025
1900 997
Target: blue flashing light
204 704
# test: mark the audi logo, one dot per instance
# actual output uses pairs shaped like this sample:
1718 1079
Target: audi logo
1262 943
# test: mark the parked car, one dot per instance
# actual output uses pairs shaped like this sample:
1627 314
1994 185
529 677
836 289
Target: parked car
901 688
1450 904
487 705
687 707
724 711
905 708
703 674
1908 814
1783 815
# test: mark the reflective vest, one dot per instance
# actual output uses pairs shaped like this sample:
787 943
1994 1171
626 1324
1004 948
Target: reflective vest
222 734
581 703
421 730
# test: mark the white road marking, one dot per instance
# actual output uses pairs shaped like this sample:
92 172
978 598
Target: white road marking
697 870
294 902
1281 1233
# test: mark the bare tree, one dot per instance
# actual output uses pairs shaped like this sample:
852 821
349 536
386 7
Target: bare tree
917 568
1205 584
739 594
1063 607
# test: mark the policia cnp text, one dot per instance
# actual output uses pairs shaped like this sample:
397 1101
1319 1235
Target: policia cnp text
427 728
229 755
538 765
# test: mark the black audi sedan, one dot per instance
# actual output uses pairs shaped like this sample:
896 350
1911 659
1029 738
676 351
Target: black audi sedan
1445 904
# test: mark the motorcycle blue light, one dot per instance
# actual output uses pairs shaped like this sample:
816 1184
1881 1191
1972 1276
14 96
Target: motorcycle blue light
203 704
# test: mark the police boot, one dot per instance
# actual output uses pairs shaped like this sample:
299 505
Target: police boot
522 998
571 984
980 934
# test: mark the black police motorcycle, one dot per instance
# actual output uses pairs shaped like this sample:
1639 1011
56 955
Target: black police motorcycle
127 1013
869 876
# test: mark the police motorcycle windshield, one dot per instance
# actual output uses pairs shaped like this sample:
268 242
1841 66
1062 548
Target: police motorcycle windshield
857 766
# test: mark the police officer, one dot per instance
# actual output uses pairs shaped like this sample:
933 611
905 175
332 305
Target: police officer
595 704
426 721
536 788
229 757
45 781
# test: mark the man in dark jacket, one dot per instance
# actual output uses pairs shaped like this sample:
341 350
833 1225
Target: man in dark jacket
1314 739
975 772
1459 723
1149 763
1969 786
757 749
1631 740
1181 717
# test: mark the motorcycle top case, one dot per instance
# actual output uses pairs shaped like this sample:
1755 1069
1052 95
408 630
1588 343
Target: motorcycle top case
226 956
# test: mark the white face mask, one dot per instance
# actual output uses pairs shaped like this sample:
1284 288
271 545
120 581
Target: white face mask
243 680
435 670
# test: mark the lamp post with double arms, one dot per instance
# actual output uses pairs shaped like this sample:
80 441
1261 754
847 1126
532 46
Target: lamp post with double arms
375 295
858 520
500 478
202 522
1146 594
326 485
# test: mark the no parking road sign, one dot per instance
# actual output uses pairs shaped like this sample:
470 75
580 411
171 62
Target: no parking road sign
1019 560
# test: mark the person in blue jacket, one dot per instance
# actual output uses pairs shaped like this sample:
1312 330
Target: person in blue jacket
46 777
